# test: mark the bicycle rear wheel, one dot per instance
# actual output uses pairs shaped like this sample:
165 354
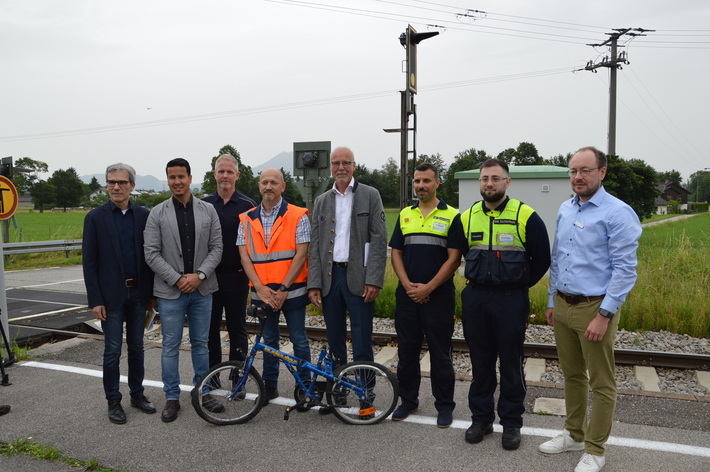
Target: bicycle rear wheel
377 402
216 401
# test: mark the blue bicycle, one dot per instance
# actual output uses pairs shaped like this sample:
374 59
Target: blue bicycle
358 393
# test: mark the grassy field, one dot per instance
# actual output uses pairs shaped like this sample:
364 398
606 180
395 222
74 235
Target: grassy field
47 226
671 293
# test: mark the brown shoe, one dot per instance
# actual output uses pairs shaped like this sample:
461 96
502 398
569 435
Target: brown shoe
170 411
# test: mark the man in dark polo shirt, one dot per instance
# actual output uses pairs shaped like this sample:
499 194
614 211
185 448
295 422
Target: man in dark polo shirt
426 251
119 285
231 298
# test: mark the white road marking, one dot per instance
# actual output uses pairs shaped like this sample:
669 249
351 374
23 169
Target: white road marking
459 424
51 283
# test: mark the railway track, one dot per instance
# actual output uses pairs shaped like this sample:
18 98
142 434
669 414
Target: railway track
672 360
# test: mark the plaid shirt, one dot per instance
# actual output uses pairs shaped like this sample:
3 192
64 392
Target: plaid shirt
303 229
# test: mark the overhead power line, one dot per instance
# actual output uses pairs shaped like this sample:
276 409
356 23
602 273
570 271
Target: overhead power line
274 108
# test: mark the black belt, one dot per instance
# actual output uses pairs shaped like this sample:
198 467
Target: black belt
129 283
575 299
340 264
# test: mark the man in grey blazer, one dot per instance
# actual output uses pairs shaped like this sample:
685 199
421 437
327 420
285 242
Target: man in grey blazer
183 245
347 257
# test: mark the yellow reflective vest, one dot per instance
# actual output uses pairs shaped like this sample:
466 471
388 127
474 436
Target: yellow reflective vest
496 242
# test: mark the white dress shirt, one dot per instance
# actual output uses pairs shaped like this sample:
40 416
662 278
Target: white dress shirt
343 215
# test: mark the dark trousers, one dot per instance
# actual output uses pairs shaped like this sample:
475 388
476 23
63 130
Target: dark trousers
232 299
435 321
335 304
494 323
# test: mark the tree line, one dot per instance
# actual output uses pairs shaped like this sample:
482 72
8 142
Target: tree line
632 180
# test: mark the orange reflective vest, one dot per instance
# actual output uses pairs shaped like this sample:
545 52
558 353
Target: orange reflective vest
273 262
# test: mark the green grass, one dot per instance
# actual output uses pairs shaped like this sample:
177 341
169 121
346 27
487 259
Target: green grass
47 226
673 287
30 447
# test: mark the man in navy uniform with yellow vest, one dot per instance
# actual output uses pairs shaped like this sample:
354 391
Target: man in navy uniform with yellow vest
509 251
426 251
273 244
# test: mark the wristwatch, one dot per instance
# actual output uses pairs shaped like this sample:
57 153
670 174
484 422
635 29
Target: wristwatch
283 288
606 313
201 275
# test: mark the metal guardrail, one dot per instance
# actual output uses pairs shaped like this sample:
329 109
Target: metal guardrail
32 247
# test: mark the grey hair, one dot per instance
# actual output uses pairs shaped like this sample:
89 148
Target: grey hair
226 157
121 166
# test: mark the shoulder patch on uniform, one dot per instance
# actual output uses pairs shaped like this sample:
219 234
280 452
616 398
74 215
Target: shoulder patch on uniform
382 215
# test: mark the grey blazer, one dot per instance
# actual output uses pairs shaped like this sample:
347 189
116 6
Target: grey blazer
163 251
367 225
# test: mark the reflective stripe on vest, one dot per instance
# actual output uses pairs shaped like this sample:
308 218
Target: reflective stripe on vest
272 263
432 230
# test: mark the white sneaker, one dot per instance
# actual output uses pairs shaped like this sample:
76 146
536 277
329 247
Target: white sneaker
561 443
590 463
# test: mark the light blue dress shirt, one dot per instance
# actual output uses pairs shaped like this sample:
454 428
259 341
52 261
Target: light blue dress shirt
594 251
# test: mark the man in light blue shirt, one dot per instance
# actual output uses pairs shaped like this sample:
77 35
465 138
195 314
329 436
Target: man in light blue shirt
593 270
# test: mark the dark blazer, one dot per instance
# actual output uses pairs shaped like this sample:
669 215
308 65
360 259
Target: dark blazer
367 225
103 261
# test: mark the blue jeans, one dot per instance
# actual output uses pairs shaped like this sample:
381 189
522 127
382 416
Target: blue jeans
133 314
197 308
296 322
335 304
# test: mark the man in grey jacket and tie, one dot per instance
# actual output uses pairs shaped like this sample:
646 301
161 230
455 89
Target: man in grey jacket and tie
347 258
183 246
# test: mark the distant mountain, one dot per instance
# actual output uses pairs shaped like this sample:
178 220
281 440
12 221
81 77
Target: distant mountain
143 182
282 159
148 182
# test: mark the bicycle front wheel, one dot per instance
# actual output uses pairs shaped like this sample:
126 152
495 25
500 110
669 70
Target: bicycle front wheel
380 392
216 400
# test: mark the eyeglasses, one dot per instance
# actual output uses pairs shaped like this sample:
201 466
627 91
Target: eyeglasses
337 164
495 179
585 172
120 183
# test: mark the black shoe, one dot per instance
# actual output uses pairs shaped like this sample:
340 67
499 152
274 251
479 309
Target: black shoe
116 414
511 438
211 404
475 432
4 409
141 402
403 411
271 392
170 411
444 419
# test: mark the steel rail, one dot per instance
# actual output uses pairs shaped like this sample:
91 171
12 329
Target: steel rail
674 360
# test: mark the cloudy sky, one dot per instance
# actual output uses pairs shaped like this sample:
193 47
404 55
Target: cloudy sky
86 83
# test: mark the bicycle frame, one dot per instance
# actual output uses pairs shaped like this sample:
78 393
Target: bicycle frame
323 368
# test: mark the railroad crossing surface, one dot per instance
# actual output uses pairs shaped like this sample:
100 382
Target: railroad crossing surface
57 399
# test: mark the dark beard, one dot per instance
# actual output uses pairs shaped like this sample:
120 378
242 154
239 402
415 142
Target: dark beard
496 197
